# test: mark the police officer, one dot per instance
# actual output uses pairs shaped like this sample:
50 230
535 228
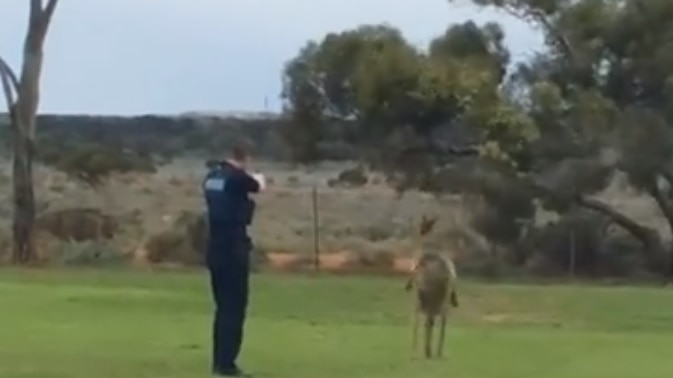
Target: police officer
226 190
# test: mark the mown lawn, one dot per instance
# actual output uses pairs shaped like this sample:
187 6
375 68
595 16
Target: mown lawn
76 324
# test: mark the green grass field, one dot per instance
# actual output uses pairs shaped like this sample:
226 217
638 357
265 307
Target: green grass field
139 324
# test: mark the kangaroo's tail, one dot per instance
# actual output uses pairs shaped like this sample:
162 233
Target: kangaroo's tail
453 278
454 298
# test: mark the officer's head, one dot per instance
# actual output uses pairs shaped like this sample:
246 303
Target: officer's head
239 155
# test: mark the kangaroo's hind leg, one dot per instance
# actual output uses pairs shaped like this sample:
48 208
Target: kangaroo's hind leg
414 329
442 331
429 325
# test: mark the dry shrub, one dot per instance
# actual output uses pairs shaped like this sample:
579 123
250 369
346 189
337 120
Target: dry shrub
5 246
376 260
5 179
350 178
191 191
337 261
133 217
196 228
92 163
293 180
290 262
176 182
172 246
85 253
57 187
185 242
376 233
127 178
78 224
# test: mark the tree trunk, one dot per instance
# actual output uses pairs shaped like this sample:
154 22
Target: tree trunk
24 196
22 110
666 208
25 112
650 239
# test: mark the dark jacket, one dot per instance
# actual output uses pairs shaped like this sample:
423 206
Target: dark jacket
226 189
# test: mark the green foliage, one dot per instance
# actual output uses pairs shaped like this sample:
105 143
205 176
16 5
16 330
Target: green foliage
647 149
597 101
92 163
483 47
301 127
600 97
373 76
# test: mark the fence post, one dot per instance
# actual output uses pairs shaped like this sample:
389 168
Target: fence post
316 229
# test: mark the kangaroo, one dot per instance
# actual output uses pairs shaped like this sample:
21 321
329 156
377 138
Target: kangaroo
433 277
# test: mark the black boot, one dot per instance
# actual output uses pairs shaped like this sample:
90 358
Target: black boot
231 372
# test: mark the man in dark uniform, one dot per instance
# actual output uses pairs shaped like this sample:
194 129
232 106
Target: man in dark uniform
226 190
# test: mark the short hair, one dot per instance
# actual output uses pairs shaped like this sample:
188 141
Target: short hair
240 151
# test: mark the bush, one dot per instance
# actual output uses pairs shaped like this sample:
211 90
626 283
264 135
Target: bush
354 177
186 241
196 228
597 252
380 232
86 253
92 163
621 256
487 265
78 224
5 246
172 246
258 258
376 260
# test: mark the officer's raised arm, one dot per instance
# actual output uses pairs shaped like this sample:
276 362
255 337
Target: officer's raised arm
261 180
252 183
244 181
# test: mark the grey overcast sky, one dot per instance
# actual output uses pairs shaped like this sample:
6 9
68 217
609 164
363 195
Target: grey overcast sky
168 56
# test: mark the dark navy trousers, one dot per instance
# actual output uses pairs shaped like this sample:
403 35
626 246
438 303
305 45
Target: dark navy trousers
228 260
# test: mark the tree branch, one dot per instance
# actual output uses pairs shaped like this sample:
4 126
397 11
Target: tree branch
526 12
6 69
646 235
7 89
668 176
551 31
663 202
38 24
35 11
10 84
48 13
